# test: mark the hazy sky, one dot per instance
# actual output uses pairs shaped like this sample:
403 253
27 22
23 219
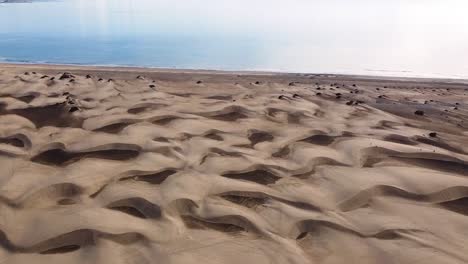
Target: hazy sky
270 16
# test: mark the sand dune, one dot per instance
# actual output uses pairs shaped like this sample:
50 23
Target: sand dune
115 165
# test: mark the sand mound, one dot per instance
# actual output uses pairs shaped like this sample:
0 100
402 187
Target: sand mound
151 166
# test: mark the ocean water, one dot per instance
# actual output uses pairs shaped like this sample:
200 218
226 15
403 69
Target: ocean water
384 37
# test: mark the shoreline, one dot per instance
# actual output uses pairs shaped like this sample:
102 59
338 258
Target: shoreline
138 69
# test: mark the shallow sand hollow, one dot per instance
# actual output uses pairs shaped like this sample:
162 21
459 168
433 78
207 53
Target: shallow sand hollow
161 166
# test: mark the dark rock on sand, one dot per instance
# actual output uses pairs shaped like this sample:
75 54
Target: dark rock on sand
433 134
66 75
73 109
419 112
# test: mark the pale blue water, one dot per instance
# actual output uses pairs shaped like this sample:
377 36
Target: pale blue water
390 37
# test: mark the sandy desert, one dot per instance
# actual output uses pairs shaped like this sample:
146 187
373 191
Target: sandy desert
121 165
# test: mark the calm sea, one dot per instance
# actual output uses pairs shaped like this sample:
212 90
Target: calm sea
376 37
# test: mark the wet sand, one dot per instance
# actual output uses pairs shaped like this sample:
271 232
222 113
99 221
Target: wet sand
127 165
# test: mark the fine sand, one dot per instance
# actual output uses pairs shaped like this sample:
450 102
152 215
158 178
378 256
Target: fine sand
160 166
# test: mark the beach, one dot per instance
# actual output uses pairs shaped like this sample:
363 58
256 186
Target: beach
139 165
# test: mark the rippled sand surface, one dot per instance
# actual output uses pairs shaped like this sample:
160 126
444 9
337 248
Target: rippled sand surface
155 166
